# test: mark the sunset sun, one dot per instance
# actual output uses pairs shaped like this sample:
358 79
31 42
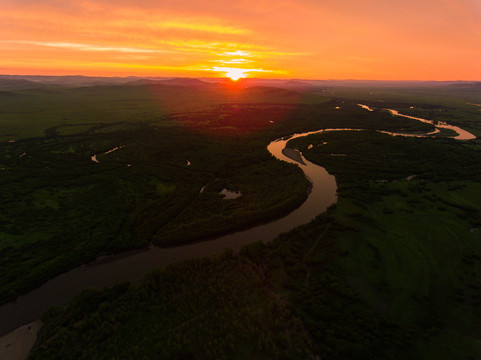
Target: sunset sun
235 73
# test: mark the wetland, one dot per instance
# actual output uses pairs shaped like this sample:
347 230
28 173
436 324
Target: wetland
380 261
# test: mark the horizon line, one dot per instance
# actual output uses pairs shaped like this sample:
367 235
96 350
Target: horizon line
225 78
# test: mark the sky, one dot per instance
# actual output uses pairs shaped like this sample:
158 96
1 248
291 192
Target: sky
302 39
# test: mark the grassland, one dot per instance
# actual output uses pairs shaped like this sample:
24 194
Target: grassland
61 209
407 216
390 272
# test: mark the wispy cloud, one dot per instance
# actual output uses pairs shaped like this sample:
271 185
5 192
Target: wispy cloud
203 27
233 61
307 38
84 47
213 46
235 53
246 71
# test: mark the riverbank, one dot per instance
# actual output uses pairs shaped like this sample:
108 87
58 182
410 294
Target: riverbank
17 344
63 288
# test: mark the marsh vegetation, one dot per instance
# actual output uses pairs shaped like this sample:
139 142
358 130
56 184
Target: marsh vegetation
390 272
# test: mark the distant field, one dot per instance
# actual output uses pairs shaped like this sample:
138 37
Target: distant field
28 113
459 95
454 104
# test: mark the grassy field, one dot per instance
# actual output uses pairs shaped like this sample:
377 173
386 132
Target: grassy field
407 223
390 272
29 112
458 95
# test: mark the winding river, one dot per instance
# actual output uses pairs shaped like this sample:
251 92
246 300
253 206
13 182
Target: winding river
462 134
132 266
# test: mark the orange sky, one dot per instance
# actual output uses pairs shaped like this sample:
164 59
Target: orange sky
310 39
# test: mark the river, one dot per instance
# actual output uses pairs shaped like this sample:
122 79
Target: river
132 266
462 134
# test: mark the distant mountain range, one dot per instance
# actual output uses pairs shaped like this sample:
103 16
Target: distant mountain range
19 82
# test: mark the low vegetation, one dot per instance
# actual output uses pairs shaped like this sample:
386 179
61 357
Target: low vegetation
389 272
61 208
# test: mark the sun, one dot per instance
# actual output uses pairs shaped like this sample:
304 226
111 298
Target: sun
235 73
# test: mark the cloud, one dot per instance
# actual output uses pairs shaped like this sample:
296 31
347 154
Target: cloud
84 47
246 71
307 38
233 61
203 27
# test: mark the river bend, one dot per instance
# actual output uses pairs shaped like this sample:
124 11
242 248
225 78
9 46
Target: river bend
132 266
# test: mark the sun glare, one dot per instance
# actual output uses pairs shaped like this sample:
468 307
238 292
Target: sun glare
235 74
